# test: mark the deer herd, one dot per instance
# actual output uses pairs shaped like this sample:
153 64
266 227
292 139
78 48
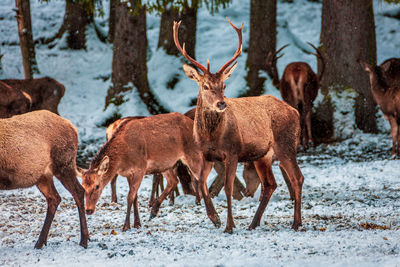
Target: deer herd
253 130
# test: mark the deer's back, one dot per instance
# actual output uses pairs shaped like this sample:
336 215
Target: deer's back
34 144
156 142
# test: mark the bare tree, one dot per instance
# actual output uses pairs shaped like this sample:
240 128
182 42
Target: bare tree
27 45
129 57
347 35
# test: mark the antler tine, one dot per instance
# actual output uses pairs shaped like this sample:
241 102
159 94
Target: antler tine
183 51
321 57
238 50
272 57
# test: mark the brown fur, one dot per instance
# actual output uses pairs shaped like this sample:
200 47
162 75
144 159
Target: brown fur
245 129
385 88
13 101
138 147
34 147
45 93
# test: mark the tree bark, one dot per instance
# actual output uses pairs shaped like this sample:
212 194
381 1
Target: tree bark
187 30
348 34
111 21
27 45
76 19
262 41
129 58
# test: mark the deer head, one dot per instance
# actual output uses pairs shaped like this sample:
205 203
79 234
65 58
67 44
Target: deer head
212 85
93 181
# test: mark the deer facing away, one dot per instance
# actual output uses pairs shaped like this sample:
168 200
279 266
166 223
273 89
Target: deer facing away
139 147
299 87
385 89
41 145
235 130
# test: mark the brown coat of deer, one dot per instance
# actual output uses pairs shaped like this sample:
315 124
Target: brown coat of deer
138 147
13 101
34 147
385 88
299 87
235 130
45 93
157 177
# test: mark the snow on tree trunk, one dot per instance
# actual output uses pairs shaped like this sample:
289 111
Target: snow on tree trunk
262 41
129 58
348 34
25 38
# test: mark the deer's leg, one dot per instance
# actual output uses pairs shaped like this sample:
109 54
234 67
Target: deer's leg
288 183
157 177
114 189
136 223
70 182
202 184
46 186
394 128
172 181
230 172
296 179
310 141
134 182
268 186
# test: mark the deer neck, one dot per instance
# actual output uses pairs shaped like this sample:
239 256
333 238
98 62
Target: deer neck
209 124
378 85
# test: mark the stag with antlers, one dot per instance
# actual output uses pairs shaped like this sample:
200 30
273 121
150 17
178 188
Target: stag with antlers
299 87
235 130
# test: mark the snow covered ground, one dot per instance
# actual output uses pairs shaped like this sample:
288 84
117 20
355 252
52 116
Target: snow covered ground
351 196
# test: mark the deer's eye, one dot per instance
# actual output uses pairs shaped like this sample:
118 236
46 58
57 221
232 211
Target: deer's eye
205 87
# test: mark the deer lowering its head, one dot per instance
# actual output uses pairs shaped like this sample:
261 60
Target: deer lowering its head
385 88
299 87
138 147
235 130
34 147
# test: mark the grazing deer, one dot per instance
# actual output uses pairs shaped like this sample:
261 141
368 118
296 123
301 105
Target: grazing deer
34 147
138 147
45 93
13 101
235 130
299 87
182 173
385 88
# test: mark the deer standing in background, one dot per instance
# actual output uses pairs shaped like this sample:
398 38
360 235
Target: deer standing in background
385 88
34 147
235 130
139 147
299 87
45 93
13 101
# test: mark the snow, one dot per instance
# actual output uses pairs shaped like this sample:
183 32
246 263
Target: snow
347 184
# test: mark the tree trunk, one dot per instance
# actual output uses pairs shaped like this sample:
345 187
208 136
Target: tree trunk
26 38
187 30
129 57
111 21
348 34
76 19
262 41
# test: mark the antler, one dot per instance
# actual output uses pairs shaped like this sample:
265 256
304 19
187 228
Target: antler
183 51
321 57
272 58
238 50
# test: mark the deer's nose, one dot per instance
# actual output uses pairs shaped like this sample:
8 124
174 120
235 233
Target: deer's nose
221 105
89 211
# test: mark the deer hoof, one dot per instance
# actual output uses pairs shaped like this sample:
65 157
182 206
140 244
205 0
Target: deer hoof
137 225
84 243
39 244
152 216
228 230
295 226
126 228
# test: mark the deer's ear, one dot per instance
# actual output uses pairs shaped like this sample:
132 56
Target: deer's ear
365 65
104 166
228 71
191 72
